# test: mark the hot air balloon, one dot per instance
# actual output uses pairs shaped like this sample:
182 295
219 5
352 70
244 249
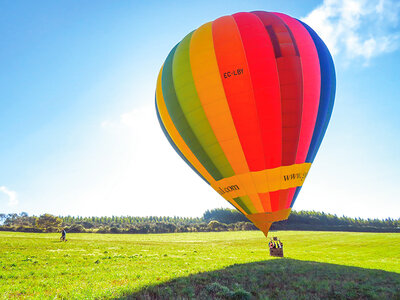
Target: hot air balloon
245 100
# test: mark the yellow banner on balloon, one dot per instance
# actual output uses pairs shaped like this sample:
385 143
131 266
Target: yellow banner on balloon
264 181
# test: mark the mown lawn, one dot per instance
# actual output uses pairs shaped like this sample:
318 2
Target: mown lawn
222 265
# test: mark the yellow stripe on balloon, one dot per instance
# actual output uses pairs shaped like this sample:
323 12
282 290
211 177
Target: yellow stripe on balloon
212 96
174 134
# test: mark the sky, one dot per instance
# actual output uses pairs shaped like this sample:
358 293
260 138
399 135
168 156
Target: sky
79 133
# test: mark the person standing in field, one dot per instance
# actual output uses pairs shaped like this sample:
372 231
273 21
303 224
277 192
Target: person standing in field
63 235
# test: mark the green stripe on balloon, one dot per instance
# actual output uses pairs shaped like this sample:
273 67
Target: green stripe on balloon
242 205
179 119
245 203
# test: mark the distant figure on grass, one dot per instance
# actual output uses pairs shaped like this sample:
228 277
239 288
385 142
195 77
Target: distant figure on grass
63 235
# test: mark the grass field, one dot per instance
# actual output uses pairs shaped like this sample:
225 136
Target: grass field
225 265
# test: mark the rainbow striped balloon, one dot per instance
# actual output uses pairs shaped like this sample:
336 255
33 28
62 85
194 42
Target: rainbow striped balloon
245 100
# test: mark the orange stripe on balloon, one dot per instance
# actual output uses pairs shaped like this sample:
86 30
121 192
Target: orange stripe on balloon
266 200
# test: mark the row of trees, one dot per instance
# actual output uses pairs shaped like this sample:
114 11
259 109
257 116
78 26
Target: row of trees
311 220
212 220
49 223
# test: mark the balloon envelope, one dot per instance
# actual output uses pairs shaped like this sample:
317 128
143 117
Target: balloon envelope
245 100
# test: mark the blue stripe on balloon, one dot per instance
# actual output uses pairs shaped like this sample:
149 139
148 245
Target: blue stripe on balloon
328 88
296 193
174 145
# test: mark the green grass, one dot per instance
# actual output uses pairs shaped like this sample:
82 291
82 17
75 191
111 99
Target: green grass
224 265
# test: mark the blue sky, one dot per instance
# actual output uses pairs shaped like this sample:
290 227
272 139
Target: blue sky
78 132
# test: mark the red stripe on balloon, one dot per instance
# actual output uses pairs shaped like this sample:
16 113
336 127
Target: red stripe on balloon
238 88
264 77
291 87
274 196
311 88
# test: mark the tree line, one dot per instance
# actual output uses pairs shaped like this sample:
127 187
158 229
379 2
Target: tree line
221 219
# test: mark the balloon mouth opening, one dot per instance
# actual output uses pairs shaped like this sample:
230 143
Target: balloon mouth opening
263 221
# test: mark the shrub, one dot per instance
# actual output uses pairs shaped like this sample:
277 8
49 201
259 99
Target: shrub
115 230
132 230
216 226
74 228
103 229
28 229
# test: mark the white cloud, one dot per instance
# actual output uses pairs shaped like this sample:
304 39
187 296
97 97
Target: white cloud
11 195
357 28
148 177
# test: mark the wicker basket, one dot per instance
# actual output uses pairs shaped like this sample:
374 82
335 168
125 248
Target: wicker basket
277 252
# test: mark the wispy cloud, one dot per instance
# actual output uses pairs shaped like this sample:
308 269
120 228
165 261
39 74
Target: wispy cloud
12 195
357 28
131 119
148 177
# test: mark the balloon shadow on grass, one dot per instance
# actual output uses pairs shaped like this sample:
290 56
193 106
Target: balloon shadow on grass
279 279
